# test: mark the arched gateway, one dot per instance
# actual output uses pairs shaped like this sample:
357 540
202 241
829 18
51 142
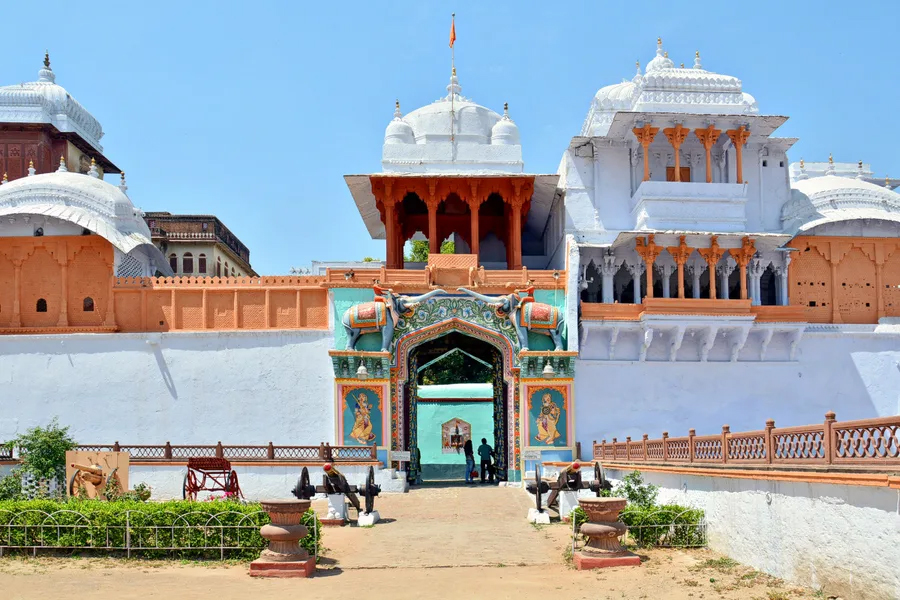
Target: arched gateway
377 391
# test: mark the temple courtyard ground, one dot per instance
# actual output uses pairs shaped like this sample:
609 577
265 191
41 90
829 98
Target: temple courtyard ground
435 542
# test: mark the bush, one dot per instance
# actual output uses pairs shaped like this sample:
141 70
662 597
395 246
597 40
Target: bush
665 525
179 529
42 454
636 491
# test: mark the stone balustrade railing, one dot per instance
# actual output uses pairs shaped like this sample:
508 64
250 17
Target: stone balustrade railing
270 453
862 443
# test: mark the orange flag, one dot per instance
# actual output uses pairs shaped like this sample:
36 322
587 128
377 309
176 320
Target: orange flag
452 30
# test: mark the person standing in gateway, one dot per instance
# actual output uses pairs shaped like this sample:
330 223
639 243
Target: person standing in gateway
484 451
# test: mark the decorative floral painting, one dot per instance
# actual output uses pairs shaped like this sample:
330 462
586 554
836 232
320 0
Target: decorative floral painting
362 415
547 420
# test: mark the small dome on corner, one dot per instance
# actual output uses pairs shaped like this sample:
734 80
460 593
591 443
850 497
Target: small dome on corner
399 131
505 132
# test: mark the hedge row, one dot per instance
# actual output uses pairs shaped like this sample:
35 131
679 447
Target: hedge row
155 529
660 525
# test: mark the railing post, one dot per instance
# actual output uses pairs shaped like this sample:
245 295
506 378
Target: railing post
322 451
770 447
644 444
328 454
116 446
578 451
167 451
628 448
726 431
220 452
665 439
594 449
830 449
691 434
270 451
374 451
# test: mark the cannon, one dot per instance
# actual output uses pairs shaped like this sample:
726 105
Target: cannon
93 481
334 482
569 479
209 474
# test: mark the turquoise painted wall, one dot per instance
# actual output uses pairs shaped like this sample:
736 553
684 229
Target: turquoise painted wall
344 298
555 298
433 414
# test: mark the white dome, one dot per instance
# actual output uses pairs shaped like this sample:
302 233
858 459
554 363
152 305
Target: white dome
830 199
666 88
505 132
83 200
472 122
399 131
43 101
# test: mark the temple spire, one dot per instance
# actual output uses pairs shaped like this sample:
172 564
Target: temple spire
93 171
122 185
697 64
31 169
830 169
397 113
62 165
46 73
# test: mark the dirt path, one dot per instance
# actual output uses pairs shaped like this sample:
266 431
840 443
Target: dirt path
455 542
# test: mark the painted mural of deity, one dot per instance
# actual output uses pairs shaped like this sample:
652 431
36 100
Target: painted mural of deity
547 413
362 415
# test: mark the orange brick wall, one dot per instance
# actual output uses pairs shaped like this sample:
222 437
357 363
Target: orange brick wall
845 280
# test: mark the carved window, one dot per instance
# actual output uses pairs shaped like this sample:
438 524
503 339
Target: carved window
233 273
187 263
88 304
201 264
218 267
173 262
41 305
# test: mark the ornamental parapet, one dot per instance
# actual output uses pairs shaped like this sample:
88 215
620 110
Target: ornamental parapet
547 364
359 364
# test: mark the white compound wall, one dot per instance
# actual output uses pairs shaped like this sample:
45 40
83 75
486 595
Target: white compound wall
843 538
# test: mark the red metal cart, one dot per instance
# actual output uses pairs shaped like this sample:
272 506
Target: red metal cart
209 474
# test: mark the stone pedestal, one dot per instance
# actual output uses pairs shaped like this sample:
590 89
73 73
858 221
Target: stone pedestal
603 530
568 501
538 518
337 511
284 557
368 519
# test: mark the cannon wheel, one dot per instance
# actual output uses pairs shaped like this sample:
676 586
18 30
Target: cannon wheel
114 478
231 485
190 488
75 483
368 489
537 489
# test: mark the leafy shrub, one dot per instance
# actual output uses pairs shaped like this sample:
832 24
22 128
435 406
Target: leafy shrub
665 525
42 455
156 530
636 491
11 486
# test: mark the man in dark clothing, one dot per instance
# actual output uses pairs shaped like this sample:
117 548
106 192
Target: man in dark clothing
484 451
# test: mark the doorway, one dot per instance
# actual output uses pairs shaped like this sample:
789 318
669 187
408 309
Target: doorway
456 390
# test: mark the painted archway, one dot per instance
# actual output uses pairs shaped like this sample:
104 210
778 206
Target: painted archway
411 338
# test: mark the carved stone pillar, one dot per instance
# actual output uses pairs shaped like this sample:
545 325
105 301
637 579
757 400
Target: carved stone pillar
708 138
432 202
645 137
636 270
676 136
667 270
516 203
390 226
17 298
62 260
648 251
742 257
608 268
724 271
712 256
680 254
756 271
474 201
782 272
739 137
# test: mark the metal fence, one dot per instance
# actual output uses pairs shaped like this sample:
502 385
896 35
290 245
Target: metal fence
661 527
134 531
862 443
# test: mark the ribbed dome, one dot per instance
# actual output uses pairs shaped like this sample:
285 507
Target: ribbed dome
43 101
472 122
828 199
661 60
505 132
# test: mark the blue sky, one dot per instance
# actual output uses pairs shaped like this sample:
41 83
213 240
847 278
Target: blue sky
254 111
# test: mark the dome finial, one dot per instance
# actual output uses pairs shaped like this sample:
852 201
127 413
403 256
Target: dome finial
859 170
830 169
697 64
887 182
46 73
93 171
454 88
803 174
666 54
62 165
397 113
5 179
682 65
122 185
31 169
506 109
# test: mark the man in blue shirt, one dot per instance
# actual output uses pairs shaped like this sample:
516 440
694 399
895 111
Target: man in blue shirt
484 451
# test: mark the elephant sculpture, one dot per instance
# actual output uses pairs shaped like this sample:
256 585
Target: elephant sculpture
380 315
526 315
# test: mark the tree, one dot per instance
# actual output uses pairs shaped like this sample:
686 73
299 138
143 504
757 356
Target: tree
456 368
419 250
369 259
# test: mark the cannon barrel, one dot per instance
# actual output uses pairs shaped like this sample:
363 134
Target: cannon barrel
573 468
332 472
92 469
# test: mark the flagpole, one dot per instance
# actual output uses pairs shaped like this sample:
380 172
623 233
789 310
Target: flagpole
452 87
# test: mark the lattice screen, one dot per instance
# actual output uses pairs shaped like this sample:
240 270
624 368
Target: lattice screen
890 279
811 284
855 292
129 266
